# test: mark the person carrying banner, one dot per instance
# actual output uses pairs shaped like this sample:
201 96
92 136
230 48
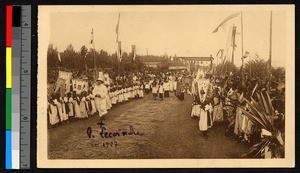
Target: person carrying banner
205 110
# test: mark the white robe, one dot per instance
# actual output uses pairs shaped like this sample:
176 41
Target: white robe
77 107
71 107
141 92
108 101
60 110
203 124
65 100
83 110
195 111
100 93
53 115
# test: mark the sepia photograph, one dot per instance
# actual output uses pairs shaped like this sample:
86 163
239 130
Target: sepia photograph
166 86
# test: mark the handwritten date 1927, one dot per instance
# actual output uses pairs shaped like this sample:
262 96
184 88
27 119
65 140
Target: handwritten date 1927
106 144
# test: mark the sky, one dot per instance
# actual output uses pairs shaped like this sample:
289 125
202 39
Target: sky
181 31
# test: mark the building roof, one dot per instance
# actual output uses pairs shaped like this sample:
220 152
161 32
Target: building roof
152 63
177 68
197 58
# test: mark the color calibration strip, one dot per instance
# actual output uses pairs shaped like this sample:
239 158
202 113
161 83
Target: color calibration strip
8 110
18 57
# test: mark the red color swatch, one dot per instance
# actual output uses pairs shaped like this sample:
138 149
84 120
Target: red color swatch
8 26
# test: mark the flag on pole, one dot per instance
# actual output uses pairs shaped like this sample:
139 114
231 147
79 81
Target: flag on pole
117 29
133 52
221 51
225 20
246 54
119 52
58 55
92 36
233 38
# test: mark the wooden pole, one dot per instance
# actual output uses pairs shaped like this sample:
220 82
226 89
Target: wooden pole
95 65
233 43
86 68
270 55
242 32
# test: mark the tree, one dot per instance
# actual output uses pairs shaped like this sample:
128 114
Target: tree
71 59
226 68
164 65
257 68
52 63
278 73
52 57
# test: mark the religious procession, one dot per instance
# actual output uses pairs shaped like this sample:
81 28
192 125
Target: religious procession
81 100
246 102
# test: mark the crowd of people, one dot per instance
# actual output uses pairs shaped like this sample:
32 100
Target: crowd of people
102 95
98 99
221 100
217 99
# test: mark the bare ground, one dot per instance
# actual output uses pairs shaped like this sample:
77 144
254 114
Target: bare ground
168 132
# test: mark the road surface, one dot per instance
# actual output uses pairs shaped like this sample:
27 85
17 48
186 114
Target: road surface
165 129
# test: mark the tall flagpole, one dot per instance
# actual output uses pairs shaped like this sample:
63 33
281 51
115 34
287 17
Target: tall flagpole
242 35
117 41
270 55
95 66
233 42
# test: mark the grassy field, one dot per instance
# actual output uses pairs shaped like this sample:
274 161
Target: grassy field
167 128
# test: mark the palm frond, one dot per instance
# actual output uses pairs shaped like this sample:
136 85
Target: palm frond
261 113
272 111
266 106
254 119
256 149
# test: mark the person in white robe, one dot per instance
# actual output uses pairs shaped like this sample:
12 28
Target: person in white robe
83 108
217 107
92 99
108 100
88 105
65 108
154 90
141 91
53 114
118 92
59 108
175 86
114 96
161 91
71 107
76 102
100 93
204 120
195 107
170 86
166 88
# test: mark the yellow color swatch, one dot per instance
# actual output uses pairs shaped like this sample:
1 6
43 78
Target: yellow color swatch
8 67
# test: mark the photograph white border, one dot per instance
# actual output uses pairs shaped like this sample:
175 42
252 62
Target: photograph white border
42 138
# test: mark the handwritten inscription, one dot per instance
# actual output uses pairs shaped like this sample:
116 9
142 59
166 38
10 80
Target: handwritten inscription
105 144
104 133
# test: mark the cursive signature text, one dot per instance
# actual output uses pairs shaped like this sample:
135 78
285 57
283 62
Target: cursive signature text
104 133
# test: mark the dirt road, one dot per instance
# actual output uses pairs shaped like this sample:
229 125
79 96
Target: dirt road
167 131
